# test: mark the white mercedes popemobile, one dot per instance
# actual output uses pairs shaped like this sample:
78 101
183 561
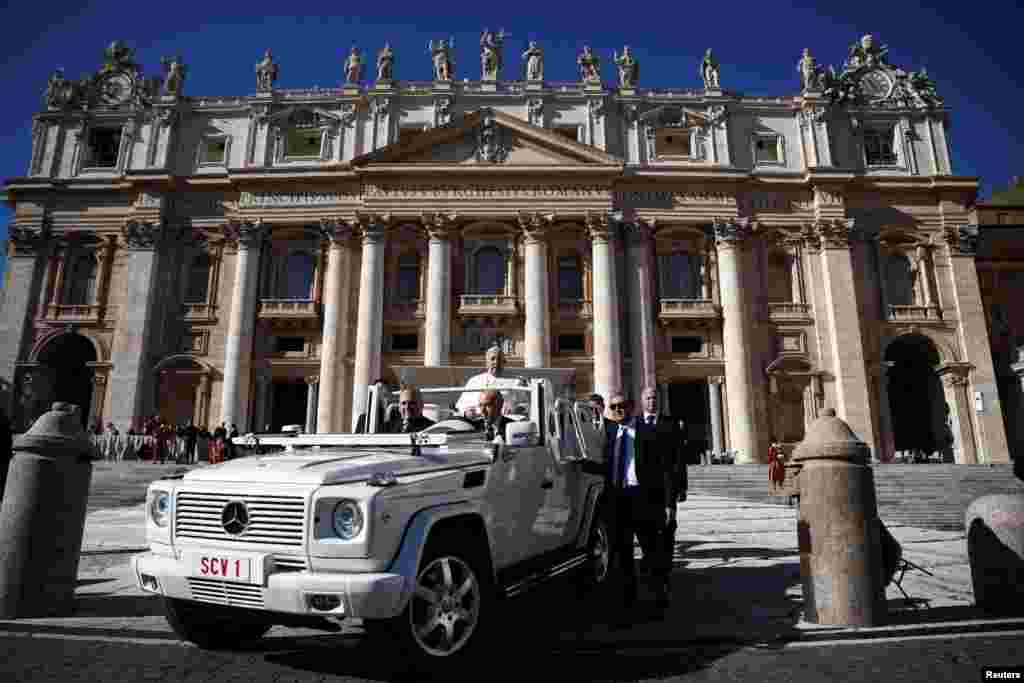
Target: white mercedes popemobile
417 535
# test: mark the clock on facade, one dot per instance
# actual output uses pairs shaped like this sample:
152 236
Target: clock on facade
876 85
116 88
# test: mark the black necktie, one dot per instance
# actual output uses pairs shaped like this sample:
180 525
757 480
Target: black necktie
489 429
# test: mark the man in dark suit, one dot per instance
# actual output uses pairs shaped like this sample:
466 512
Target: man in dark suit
641 479
492 422
410 413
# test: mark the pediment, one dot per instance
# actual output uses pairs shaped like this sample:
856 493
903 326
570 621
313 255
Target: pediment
486 137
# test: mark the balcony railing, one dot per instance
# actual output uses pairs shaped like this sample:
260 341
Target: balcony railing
199 311
575 308
688 309
488 304
73 312
407 310
787 310
289 309
903 313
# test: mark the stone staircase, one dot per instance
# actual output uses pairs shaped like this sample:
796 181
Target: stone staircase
929 496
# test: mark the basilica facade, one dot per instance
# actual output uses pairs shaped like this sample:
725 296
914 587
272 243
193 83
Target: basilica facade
260 259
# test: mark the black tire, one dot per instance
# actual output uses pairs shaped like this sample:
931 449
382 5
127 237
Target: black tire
451 610
210 627
597 570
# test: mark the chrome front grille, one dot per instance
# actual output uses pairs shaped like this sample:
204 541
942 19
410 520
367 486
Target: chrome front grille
226 593
273 520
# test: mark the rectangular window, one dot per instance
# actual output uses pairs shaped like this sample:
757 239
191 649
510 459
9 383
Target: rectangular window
571 342
304 142
687 344
404 342
213 150
767 149
878 147
104 144
290 344
673 142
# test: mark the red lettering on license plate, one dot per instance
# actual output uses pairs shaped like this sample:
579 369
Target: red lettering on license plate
223 567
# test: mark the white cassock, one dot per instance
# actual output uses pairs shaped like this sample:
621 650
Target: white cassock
485 380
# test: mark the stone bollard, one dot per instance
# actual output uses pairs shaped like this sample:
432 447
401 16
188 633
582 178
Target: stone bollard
838 533
43 516
995 550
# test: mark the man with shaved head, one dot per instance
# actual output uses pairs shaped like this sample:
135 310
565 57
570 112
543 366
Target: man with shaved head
410 413
492 422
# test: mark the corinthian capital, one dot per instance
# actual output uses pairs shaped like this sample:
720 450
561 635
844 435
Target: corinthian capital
371 226
247 234
439 225
638 231
141 235
535 225
335 231
962 240
732 231
25 241
837 233
598 227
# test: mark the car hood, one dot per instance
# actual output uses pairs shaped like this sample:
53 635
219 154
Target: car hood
337 466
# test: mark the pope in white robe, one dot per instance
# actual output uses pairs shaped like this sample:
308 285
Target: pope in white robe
491 379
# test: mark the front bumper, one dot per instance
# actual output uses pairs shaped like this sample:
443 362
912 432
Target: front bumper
364 595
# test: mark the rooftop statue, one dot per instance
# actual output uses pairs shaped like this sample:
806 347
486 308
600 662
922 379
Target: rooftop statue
490 54
266 73
118 57
59 90
534 57
629 68
590 66
354 66
385 63
444 66
811 75
709 71
174 76
866 54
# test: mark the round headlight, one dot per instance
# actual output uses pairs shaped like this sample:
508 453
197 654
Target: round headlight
348 519
160 507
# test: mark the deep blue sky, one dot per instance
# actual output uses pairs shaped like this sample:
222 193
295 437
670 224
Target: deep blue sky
970 49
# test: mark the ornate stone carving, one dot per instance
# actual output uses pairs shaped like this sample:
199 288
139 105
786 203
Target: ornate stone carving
25 241
590 66
715 113
371 227
354 66
534 57
443 106
439 226
380 106
535 111
837 233
629 68
709 72
490 144
246 234
598 227
962 240
348 114
141 235
490 54
732 231
811 114
60 92
444 65
174 76
266 73
535 225
867 77
811 75
385 64
596 107
336 231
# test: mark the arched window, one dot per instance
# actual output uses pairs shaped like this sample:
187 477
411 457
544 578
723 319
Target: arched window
780 276
409 276
298 280
680 276
198 283
80 281
490 271
899 280
570 278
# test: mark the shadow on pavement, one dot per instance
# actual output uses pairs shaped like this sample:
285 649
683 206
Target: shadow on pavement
107 606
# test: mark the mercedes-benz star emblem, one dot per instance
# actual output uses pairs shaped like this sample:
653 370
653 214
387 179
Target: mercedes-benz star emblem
235 517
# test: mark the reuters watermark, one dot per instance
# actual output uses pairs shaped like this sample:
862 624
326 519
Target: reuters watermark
1002 673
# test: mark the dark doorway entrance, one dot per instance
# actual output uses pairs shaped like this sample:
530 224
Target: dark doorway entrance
916 400
289 404
688 401
70 380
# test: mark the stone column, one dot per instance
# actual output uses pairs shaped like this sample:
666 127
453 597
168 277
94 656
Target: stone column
607 354
99 393
954 388
241 323
371 317
336 327
202 401
437 340
973 331
796 275
130 356
642 305
743 433
62 254
259 410
537 337
26 254
842 317
715 398
104 254
887 434
311 400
